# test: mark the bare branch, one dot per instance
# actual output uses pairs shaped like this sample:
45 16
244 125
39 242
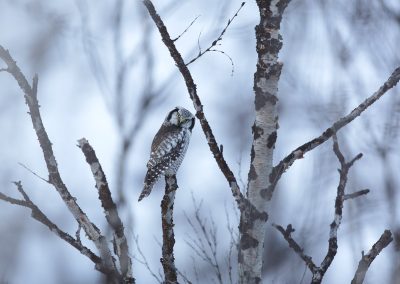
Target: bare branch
366 259
32 172
319 272
332 242
39 216
230 177
205 243
287 234
300 151
215 42
90 229
356 194
167 212
179 36
110 210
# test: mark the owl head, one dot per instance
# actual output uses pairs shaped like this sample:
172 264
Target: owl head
180 117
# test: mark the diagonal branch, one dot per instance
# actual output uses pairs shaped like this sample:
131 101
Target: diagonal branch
39 216
287 235
167 212
366 259
191 86
215 42
110 210
299 152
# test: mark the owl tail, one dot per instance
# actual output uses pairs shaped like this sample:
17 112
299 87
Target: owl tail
146 191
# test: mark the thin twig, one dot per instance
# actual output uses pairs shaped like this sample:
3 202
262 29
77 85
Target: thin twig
356 194
216 41
32 172
366 259
179 36
144 261
205 244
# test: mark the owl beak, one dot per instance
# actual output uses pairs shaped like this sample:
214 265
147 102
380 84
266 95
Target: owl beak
182 120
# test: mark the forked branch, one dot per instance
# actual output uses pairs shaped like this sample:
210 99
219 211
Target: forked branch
300 151
318 272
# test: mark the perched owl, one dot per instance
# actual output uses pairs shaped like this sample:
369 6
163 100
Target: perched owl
169 147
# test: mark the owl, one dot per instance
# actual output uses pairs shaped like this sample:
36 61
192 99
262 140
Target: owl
169 147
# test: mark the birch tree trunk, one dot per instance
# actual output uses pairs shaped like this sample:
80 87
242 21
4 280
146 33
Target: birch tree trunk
266 78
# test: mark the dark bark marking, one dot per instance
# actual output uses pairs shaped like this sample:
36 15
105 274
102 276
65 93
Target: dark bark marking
271 139
252 173
257 131
247 241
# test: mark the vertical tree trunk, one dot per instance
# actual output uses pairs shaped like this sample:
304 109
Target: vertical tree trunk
266 78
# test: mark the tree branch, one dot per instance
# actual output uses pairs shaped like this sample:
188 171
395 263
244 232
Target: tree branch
300 151
215 42
90 229
167 212
120 243
287 235
39 216
366 259
191 86
332 242
356 194
319 272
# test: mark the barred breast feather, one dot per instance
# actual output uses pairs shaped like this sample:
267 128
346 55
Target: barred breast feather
167 152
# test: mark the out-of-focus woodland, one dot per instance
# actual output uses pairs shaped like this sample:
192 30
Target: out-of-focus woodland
106 75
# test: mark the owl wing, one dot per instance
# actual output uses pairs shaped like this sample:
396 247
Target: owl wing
166 149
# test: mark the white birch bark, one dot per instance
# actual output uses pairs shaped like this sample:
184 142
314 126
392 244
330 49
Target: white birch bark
266 78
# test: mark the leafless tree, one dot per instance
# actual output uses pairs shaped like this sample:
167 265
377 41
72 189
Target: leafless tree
253 201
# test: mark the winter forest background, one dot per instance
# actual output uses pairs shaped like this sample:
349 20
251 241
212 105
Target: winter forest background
105 75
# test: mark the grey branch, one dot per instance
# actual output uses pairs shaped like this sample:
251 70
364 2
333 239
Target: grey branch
167 212
300 151
215 42
287 235
366 259
356 194
39 216
191 86
92 232
334 227
191 24
120 243
319 272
